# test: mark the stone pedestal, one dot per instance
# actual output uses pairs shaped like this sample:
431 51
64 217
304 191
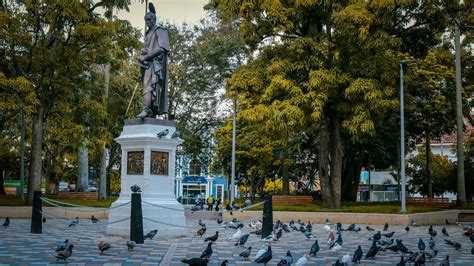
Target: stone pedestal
149 162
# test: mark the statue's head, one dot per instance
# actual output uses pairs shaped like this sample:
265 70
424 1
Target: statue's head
150 17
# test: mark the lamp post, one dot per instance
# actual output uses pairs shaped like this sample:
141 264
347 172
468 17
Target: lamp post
402 137
232 175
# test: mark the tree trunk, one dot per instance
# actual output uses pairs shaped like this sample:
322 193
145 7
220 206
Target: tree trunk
103 161
286 179
36 160
352 166
330 160
429 163
2 178
82 167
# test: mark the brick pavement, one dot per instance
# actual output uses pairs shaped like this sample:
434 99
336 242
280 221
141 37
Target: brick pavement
19 247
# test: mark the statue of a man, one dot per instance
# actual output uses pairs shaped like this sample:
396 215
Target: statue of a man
153 67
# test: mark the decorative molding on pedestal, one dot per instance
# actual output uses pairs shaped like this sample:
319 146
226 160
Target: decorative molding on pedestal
149 161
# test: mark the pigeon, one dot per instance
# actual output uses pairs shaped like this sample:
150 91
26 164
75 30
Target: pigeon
135 189
431 231
385 227
372 251
346 258
103 246
385 242
444 231
44 220
430 254
206 254
201 223
242 240
338 227
314 249
201 231
224 263
471 237
163 133
131 245
308 234
407 229
455 244
413 223
151 234
6 223
279 233
237 234
94 220
357 255
246 253
412 258
472 250
402 261
421 245
257 232
195 261
287 260
301 261
219 220
369 228
402 247
445 262
62 246
421 260
212 238
176 135
393 248
75 222
377 236
336 248
265 257
330 237
431 243
389 235
338 241
338 263
64 254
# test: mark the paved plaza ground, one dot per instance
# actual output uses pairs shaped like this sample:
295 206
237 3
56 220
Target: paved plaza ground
19 247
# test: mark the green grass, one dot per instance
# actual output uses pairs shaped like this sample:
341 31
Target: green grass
11 201
16 201
369 208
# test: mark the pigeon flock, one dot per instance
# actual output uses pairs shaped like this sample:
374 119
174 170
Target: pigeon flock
326 240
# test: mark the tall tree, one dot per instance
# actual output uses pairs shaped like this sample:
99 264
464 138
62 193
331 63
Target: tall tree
52 45
334 62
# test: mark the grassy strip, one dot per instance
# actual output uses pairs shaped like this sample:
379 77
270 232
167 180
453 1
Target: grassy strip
16 201
386 208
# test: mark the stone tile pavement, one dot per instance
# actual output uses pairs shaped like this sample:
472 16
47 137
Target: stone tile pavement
19 247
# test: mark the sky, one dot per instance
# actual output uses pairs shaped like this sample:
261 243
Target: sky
174 11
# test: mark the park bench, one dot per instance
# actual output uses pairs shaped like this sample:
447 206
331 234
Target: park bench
431 202
89 196
291 199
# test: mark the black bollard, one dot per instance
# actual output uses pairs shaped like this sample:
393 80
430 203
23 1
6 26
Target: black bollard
36 216
267 216
136 219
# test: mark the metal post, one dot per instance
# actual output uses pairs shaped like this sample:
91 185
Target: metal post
461 189
232 176
402 141
267 218
22 155
36 216
136 219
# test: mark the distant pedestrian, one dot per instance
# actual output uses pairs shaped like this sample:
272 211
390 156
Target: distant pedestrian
210 202
218 202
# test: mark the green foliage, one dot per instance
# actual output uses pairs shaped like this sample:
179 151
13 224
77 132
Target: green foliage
443 173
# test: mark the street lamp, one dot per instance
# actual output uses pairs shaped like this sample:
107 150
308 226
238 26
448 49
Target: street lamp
402 137
232 175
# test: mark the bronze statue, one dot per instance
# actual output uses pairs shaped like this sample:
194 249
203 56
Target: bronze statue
153 67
